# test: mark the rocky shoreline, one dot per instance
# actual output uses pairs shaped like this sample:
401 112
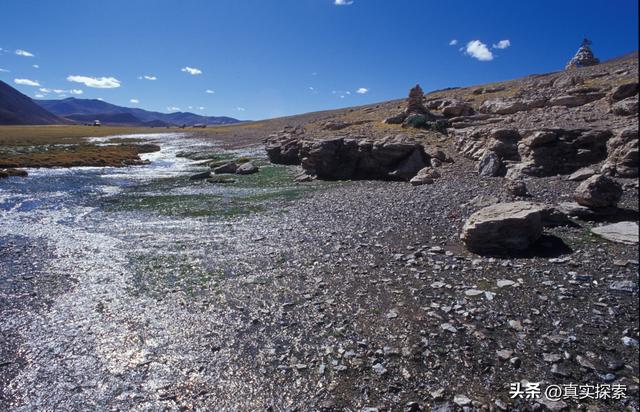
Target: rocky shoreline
361 294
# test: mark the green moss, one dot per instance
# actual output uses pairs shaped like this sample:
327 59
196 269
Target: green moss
157 275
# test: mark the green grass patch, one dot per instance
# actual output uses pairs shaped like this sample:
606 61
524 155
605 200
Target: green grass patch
270 188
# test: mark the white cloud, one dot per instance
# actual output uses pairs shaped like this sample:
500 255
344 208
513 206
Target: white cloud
4 70
191 70
96 82
209 91
134 101
100 98
201 108
173 109
24 53
502 44
478 50
39 95
61 92
146 77
36 66
240 109
453 42
26 82
362 90
343 2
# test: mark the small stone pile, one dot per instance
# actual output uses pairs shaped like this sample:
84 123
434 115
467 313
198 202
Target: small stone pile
584 56
415 103
415 114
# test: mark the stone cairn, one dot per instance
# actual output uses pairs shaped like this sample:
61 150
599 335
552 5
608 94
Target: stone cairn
584 57
415 101
415 114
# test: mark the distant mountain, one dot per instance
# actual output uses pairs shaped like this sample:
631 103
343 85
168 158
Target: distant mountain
17 108
76 109
105 118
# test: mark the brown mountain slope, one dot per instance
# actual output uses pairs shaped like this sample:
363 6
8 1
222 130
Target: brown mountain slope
17 108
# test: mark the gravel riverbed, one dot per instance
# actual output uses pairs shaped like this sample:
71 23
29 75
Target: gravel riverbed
348 296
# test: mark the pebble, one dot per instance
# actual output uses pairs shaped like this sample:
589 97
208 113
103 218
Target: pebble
505 282
461 400
504 354
516 325
379 369
448 327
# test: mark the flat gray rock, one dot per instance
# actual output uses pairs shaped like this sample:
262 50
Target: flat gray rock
503 227
621 232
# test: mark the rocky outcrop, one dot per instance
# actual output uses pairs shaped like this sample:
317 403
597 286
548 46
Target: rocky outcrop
503 228
542 152
503 106
284 147
622 159
455 108
559 151
626 107
392 158
598 192
575 100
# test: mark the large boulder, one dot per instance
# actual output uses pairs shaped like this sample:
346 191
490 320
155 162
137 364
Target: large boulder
516 188
489 165
13 172
229 167
623 154
621 232
503 106
455 108
247 169
425 176
504 142
575 100
503 228
623 91
199 176
597 192
626 107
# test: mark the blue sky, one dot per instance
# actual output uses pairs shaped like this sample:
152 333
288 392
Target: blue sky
268 58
